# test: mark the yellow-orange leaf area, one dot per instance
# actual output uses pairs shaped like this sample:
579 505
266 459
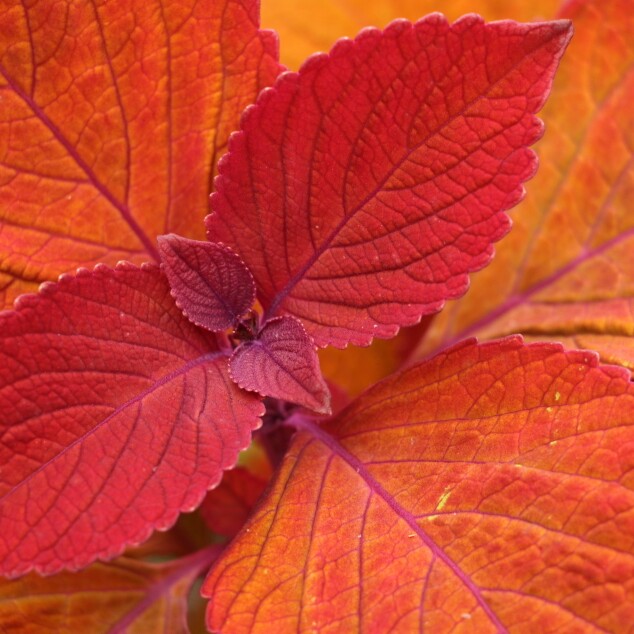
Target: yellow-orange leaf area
125 595
354 369
566 270
314 25
487 490
112 116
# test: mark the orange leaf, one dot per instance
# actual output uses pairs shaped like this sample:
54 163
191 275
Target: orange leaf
112 116
314 25
565 271
487 490
122 596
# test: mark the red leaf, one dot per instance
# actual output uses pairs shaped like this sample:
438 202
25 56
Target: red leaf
210 283
282 363
113 115
363 190
487 490
227 507
117 414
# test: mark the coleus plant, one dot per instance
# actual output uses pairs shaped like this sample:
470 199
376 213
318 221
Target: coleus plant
487 488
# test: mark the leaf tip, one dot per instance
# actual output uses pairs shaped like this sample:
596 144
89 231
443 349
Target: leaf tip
564 26
562 30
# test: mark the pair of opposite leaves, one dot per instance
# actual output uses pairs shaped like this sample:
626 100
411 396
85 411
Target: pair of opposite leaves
215 290
359 193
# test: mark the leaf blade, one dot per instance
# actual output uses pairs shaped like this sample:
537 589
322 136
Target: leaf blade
109 428
281 362
564 274
357 185
104 598
112 120
474 484
209 282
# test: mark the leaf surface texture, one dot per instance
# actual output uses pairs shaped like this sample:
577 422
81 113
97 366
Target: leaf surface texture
489 489
122 596
117 415
565 271
112 118
363 190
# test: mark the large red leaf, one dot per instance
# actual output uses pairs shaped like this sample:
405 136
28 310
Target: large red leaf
565 272
314 25
116 415
487 490
363 190
111 119
123 596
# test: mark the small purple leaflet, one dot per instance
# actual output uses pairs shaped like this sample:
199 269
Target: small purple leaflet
210 283
281 362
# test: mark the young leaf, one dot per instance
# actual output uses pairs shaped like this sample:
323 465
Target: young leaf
116 415
122 596
113 115
487 490
210 283
281 362
314 25
363 190
565 272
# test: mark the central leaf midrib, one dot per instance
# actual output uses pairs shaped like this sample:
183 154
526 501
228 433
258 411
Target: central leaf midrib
161 589
524 297
360 468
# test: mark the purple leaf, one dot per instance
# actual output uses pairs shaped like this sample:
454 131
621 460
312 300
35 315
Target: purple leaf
210 283
282 363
